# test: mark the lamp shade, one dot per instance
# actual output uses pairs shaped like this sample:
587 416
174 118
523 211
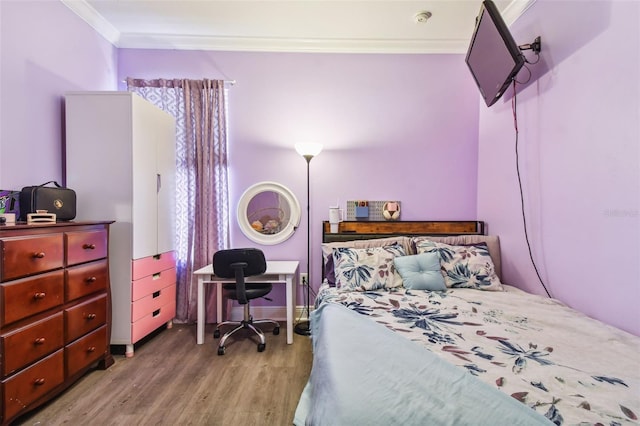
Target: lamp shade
308 149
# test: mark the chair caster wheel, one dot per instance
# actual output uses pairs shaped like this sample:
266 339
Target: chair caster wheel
221 350
261 347
276 331
216 334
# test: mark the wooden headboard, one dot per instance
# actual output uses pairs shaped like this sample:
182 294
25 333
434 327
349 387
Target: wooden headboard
365 230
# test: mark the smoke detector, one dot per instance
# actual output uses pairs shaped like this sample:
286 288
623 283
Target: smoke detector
422 17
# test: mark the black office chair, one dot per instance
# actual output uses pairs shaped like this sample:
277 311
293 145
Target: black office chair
238 264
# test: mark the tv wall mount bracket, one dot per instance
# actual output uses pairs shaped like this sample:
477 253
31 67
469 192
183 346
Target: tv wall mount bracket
536 46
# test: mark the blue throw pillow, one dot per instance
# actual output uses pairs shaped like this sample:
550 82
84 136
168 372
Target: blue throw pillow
420 271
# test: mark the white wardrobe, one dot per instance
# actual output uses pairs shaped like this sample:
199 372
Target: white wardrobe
120 160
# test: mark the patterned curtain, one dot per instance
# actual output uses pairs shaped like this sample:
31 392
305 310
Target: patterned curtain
202 202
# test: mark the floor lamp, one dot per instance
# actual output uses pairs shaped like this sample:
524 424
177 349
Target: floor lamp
308 151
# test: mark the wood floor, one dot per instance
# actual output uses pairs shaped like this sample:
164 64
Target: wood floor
172 381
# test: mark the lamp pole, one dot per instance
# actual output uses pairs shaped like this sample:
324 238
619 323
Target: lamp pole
308 151
304 328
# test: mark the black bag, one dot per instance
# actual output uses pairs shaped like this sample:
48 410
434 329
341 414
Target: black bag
58 200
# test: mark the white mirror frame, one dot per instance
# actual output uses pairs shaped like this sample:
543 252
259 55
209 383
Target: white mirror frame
258 237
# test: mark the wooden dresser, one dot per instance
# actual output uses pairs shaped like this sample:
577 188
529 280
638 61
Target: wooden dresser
55 310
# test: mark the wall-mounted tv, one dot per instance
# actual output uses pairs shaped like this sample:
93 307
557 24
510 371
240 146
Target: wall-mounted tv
493 56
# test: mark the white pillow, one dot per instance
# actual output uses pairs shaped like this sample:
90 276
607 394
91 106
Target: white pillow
367 269
468 266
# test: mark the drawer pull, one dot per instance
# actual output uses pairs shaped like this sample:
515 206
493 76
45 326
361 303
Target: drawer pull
38 255
39 382
156 313
91 316
90 280
39 341
91 349
156 294
39 295
89 246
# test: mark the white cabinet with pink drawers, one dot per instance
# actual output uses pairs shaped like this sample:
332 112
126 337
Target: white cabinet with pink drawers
132 183
153 295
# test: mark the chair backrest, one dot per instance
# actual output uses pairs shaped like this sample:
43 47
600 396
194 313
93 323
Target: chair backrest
238 264
223 259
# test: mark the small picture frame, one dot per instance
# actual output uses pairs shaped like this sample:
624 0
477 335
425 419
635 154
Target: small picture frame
9 202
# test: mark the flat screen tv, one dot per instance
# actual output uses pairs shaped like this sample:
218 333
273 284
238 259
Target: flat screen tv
493 56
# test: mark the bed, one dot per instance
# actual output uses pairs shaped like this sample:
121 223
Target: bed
393 347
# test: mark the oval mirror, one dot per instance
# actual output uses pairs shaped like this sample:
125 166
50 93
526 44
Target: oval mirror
268 213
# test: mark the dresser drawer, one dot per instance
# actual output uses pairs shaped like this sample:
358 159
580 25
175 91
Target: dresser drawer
148 304
85 246
152 264
30 343
86 279
84 317
23 256
25 387
152 283
148 323
29 296
85 351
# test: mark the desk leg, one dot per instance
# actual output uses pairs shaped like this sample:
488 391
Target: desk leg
201 313
290 283
219 302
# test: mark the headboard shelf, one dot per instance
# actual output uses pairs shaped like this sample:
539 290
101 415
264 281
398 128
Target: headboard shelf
360 230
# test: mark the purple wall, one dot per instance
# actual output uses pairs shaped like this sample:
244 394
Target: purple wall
579 159
400 127
393 127
46 51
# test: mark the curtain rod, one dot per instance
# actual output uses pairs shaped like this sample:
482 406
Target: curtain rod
226 82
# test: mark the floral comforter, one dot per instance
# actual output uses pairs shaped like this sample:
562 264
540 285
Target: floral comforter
568 367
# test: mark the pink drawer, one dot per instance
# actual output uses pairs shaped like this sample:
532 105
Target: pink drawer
149 323
152 283
152 264
148 304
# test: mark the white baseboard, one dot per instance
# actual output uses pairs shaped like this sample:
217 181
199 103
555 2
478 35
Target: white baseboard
278 313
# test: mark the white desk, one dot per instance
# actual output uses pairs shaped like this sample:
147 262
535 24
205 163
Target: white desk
278 271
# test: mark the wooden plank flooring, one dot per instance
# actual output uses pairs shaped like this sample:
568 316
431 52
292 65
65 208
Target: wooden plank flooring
173 381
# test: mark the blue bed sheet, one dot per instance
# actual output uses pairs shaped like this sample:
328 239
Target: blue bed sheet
365 374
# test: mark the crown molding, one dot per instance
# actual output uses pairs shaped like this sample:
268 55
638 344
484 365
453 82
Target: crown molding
296 45
94 19
515 10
